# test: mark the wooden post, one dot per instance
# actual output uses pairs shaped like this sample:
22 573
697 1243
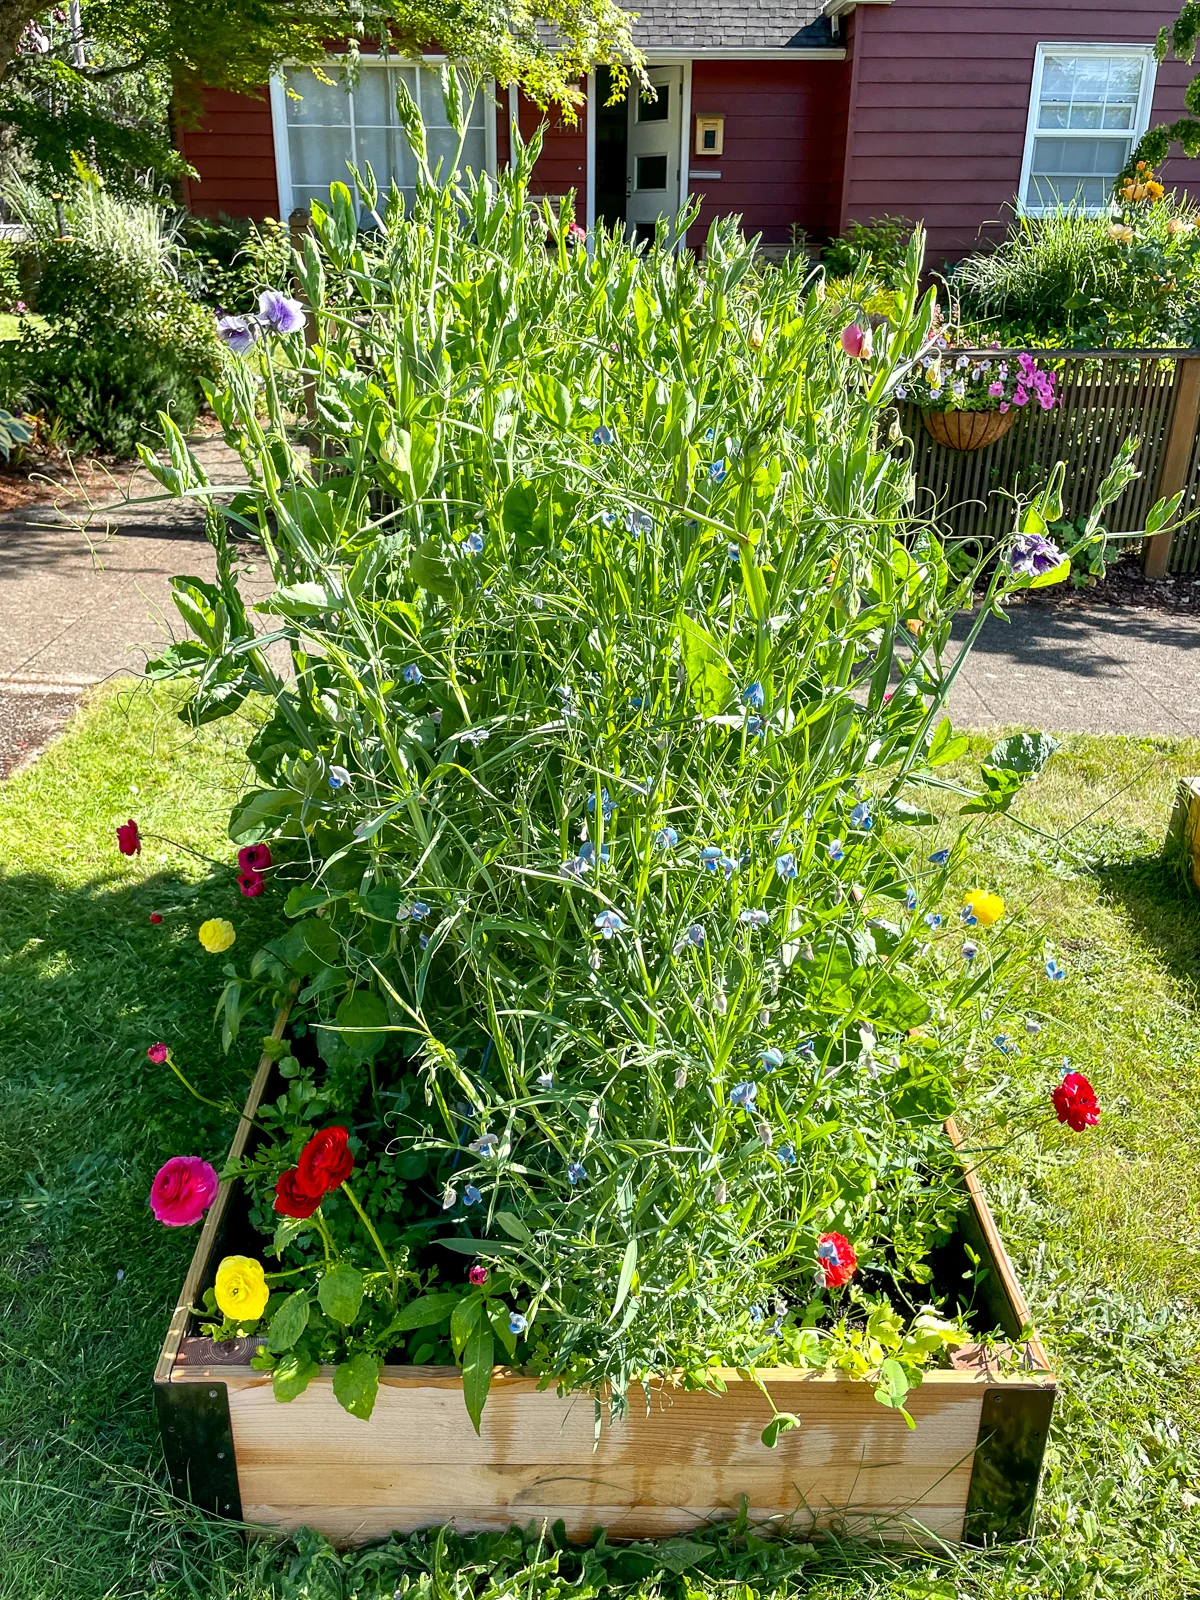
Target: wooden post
1176 458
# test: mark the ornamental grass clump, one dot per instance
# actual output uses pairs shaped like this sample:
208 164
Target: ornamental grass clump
597 794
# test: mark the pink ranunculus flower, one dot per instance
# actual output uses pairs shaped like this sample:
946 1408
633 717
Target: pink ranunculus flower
129 840
182 1191
857 341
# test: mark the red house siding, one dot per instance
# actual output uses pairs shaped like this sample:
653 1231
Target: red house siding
940 104
234 154
784 136
562 165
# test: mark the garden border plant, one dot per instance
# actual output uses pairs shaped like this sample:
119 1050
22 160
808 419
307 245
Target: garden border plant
619 665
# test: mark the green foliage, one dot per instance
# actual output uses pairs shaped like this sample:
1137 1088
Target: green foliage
593 585
1067 278
880 246
1155 144
226 261
121 341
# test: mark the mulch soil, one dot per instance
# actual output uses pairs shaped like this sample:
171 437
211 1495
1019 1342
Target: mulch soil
1123 587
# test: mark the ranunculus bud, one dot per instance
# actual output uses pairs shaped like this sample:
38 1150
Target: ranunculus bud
478 1275
857 341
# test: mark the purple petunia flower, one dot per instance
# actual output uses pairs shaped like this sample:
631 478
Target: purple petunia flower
1034 555
278 314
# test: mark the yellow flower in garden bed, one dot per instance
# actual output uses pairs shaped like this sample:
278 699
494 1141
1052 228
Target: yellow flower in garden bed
241 1288
216 935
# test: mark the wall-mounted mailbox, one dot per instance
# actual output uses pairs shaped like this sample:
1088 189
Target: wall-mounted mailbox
710 136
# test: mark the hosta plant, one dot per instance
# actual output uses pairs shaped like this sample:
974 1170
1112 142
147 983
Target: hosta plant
596 803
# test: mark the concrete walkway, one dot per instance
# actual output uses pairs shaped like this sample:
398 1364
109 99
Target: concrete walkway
76 609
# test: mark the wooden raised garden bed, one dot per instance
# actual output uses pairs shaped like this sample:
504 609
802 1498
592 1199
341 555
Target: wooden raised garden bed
969 1470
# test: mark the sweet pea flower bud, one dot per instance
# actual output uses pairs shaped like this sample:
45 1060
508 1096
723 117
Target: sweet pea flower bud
857 341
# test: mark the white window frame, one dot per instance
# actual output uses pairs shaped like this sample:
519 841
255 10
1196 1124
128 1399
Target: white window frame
1141 121
279 124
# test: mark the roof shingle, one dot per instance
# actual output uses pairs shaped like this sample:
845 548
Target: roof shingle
731 24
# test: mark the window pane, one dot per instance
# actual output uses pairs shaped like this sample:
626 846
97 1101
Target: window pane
319 102
651 172
373 96
319 156
656 110
1090 91
1081 157
1050 192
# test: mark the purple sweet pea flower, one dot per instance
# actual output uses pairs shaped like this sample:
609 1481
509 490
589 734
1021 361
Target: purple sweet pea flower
278 314
1034 555
237 333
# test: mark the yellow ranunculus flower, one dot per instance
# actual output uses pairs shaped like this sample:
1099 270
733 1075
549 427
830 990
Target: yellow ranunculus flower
985 907
241 1288
216 935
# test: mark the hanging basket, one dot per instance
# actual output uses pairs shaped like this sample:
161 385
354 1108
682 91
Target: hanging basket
968 430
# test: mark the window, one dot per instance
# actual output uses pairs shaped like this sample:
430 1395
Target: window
651 172
655 110
338 124
1090 105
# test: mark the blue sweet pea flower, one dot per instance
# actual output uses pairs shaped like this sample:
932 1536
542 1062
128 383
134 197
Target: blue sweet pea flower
545 1080
411 673
1054 972
606 805
516 1323
754 696
574 867
710 855
733 554
695 936
471 1195
709 435
602 435
969 951
576 1171
638 523
910 900
835 851
860 817
785 865
473 543
717 471
787 1154
933 919
587 853
742 1094
1002 1044
940 857
609 922
666 838
420 911
338 778
753 918
771 1058
807 1049
969 917
758 1314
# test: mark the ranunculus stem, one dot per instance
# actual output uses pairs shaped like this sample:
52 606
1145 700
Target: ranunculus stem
191 1089
369 1226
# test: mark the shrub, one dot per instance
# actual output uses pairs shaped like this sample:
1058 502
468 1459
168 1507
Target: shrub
228 260
1069 278
599 798
121 342
879 245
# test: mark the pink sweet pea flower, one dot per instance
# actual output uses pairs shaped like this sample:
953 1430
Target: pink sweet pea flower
857 341
182 1191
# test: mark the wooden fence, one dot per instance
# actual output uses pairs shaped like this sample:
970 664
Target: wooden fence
1106 396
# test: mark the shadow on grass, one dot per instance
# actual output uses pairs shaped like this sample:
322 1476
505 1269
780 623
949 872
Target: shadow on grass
87 1277
1165 912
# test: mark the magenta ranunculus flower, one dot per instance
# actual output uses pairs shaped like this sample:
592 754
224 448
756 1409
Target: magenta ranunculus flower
157 1053
129 840
278 314
182 1191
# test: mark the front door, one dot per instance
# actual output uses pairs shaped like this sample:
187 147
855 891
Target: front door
652 170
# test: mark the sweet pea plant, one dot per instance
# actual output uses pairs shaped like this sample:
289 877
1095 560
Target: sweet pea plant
625 1024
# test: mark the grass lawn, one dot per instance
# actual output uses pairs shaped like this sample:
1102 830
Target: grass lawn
1104 1227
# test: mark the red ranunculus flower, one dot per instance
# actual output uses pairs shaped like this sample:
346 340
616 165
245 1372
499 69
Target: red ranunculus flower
325 1162
182 1191
836 1259
157 1054
1075 1101
292 1198
156 917
129 840
251 884
254 858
